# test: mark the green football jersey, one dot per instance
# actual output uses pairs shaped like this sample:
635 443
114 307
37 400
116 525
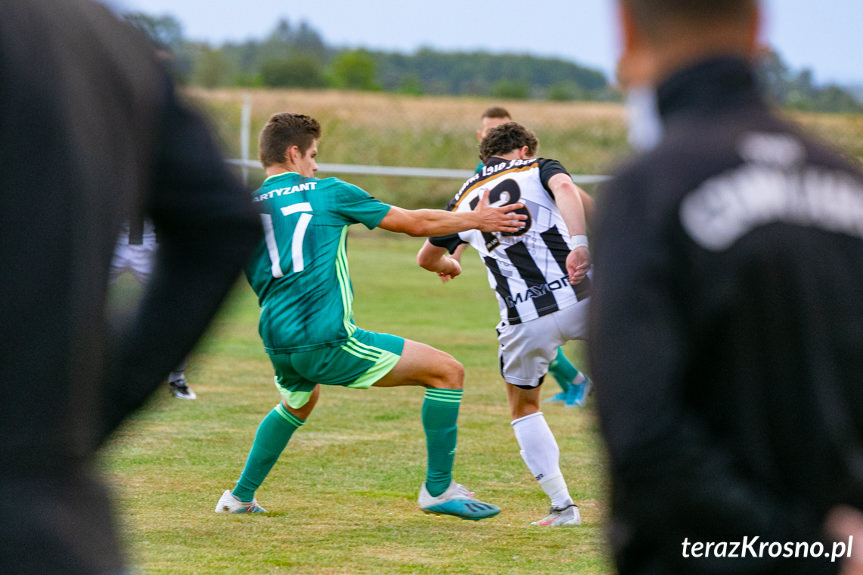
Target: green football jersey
300 269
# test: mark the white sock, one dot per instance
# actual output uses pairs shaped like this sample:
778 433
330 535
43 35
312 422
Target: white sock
542 456
555 488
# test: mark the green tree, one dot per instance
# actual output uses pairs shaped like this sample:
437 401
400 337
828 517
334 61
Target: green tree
478 72
355 70
282 32
296 71
837 100
165 31
210 70
308 41
411 85
243 58
563 92
287 40
774 75
511 89
797 90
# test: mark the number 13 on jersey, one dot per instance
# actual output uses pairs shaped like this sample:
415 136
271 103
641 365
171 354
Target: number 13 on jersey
305 216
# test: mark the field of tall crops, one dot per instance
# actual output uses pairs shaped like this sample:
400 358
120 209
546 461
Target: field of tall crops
440 132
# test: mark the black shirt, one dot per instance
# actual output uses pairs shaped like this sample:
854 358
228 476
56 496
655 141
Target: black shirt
91 131
727 331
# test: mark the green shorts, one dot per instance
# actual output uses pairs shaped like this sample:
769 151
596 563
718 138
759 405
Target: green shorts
360 362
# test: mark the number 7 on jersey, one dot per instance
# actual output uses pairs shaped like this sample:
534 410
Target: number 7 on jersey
305 211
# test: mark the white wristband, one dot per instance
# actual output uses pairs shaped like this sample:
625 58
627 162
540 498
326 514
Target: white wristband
578 241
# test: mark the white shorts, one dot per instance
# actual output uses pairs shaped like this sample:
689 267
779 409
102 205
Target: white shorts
137 259
527 348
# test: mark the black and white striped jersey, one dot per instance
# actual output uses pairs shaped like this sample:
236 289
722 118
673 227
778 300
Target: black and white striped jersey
526 269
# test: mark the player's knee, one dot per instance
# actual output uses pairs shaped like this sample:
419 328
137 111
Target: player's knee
518 411
306 410
448 373
522 402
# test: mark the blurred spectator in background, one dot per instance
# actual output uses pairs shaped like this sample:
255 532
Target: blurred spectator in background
135 253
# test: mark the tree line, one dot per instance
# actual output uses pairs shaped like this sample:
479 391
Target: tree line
296 56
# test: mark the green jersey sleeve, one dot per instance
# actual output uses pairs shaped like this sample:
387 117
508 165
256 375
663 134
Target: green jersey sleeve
355 205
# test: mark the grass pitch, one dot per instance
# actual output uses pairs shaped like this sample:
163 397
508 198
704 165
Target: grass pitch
342 498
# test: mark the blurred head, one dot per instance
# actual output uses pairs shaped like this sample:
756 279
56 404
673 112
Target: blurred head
290 141
661 36
509 139
492 118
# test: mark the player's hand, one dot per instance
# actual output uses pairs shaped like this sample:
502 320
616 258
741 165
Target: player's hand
577 264
451 269
502 219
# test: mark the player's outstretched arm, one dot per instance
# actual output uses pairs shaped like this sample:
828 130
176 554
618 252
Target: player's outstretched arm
425 223
568 198
436 259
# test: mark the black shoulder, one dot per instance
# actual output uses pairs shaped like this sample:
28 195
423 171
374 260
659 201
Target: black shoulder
549 168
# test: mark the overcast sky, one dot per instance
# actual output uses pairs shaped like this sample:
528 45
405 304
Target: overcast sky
824 35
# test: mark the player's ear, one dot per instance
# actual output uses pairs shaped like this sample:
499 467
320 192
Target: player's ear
293 155
524 153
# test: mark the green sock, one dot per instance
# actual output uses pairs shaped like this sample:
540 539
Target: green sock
562 370
440 415
273 435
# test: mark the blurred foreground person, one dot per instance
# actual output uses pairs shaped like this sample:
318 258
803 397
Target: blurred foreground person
727 316
92 133
135 253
